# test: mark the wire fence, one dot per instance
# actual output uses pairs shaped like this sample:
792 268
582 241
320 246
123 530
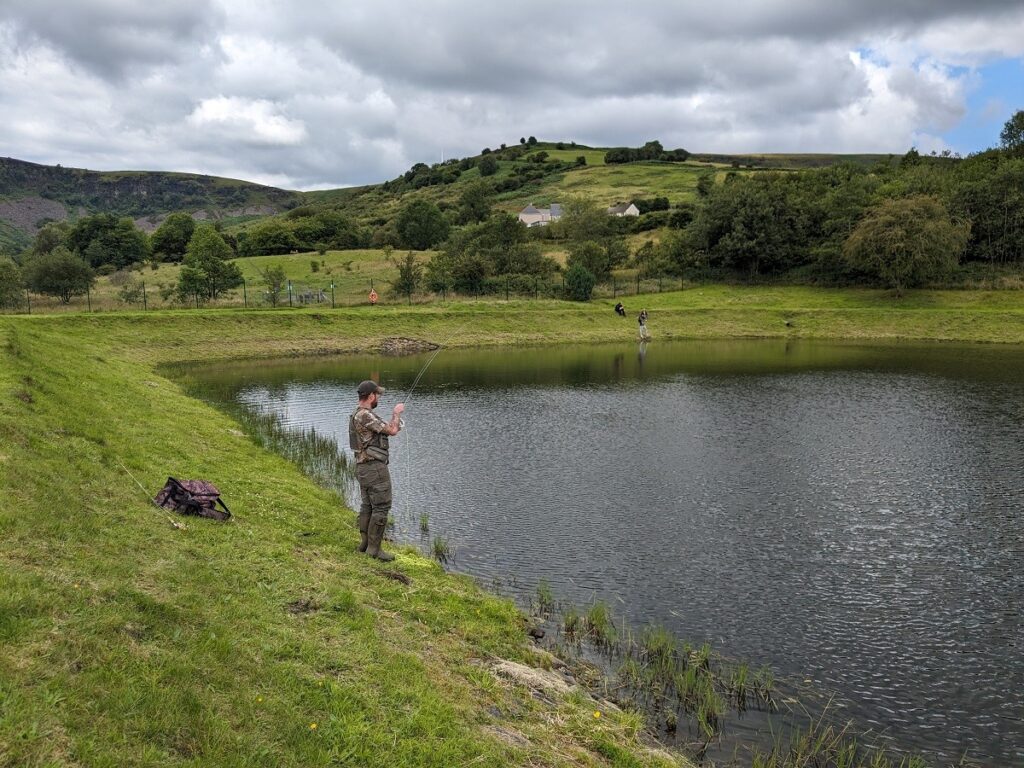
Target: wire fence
327 295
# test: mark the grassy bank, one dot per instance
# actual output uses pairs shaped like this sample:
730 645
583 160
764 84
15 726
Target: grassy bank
266 641
713 311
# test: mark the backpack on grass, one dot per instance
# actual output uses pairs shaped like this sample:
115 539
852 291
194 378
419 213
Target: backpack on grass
192 497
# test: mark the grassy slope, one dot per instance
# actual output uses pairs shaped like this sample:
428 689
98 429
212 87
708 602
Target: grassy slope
124 641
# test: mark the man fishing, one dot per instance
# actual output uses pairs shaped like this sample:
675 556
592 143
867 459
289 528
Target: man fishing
368 436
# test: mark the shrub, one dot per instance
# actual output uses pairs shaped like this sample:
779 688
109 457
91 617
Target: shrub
59 273
579 283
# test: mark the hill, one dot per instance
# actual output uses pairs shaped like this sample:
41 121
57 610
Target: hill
549 172
541 173
31 194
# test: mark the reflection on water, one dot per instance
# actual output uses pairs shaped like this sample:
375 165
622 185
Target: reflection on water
847 513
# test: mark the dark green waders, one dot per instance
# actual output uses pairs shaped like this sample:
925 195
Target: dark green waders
375 485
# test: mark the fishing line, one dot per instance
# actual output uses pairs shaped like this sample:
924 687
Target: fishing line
408 454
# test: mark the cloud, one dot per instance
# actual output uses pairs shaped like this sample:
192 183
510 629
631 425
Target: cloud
246 121
340 94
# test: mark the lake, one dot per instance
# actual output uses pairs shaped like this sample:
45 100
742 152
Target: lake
849 514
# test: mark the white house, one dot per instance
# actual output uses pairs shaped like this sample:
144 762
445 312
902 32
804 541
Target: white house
540 217
623 209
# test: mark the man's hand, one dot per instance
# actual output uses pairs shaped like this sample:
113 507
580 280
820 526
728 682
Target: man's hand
396 421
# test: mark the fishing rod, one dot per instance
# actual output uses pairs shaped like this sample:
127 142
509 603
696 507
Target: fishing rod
443 345
151 500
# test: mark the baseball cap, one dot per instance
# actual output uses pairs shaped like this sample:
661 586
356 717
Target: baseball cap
368 388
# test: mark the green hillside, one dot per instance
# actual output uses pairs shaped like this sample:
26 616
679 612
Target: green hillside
30 194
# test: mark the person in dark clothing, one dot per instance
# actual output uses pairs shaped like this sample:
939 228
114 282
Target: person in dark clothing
620 310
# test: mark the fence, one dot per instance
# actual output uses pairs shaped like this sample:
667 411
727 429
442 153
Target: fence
330 295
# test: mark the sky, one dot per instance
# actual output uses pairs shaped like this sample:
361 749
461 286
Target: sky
314 95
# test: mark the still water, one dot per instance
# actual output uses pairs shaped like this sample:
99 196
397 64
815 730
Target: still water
849 515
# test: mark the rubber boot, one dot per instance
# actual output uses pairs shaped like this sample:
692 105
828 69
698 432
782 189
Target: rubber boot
364 523
375 548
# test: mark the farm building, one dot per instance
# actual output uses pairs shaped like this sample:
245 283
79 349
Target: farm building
623 209
532 216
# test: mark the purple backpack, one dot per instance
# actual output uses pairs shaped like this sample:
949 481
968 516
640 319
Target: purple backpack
192 497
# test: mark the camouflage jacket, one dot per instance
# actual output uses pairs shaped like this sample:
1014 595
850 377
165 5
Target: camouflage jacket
368 436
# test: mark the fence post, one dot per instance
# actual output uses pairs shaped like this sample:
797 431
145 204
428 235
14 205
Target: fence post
536 288
245 294
289 293
197 299
506 287
145 304
659 283
615 288
88 299
28 298
332 294
638 283
410 296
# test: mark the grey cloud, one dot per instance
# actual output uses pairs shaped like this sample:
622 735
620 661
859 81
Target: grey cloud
115 37
355 93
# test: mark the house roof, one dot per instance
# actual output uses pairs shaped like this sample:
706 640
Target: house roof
619 208
556 209
529 210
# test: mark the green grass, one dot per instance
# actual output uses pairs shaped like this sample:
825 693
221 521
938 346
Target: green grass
608 184
264 641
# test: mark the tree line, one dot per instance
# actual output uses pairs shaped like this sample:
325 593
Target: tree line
66 258
901 223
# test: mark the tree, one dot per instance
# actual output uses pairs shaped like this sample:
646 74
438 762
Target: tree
269 238
410 275
1012 135
275 280
11 284
51 235
488 165
532 140
421 225
206 270
171 238
475 202
584 220
105 239
651 260
579 283
906 242
592 256
440 274
58 273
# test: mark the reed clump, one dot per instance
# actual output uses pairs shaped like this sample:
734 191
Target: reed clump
441 550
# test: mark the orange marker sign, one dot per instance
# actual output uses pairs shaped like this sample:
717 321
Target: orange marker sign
373 296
